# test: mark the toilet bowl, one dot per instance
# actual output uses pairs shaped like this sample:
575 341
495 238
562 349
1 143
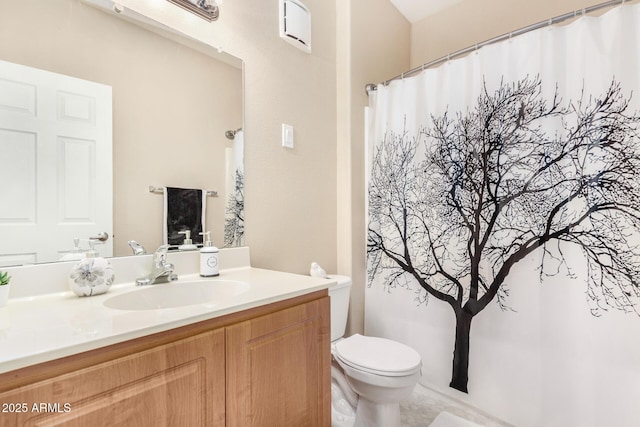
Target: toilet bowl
378 372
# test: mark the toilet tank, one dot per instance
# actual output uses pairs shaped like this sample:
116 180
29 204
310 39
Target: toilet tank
339 295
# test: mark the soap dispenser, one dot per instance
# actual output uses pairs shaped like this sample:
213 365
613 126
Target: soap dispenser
187 245
93 275
208 258
76 254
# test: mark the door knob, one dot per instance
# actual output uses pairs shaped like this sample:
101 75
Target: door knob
103 237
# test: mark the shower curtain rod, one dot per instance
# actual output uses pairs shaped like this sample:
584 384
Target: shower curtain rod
580 12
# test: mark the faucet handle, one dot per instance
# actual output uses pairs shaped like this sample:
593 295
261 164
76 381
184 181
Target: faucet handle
137 248
160 257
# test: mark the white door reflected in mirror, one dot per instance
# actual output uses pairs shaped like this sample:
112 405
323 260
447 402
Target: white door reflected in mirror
46 116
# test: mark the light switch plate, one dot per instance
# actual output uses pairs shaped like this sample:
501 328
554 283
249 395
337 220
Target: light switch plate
287 136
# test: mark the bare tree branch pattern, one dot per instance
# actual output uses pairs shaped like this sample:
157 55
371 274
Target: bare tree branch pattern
234 217
455 207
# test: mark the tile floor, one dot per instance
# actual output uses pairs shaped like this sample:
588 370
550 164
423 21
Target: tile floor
425 404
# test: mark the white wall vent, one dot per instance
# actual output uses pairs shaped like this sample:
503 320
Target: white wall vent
295 24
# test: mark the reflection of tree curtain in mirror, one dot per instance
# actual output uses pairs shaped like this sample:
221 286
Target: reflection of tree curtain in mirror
504 223
234 211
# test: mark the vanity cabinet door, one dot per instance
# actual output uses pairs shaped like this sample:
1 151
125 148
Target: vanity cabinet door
176 384
278 368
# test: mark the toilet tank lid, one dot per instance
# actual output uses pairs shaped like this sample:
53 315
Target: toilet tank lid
379 354
343 281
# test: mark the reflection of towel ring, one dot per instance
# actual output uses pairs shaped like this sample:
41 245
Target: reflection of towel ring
160 190
231 134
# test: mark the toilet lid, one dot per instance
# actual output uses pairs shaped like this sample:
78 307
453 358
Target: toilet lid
378 355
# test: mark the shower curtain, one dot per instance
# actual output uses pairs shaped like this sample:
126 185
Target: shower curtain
234 190
504 223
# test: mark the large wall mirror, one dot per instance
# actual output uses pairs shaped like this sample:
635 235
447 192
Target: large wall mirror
177 115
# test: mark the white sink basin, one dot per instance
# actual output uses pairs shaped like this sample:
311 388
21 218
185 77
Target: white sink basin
177 294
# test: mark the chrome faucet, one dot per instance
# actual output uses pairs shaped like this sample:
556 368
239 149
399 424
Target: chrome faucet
161 270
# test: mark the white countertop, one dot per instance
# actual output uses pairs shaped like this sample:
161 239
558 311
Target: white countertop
40 328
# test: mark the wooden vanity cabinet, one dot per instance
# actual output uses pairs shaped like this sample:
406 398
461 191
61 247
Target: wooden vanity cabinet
180 383
268 366
278 369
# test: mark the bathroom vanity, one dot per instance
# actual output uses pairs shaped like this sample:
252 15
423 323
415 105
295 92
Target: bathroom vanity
260 357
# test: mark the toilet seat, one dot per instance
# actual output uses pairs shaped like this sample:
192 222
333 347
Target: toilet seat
346 364
379 356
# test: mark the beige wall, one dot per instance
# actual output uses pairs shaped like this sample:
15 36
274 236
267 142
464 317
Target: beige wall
171 105
474 21
373 46
290 194
307 204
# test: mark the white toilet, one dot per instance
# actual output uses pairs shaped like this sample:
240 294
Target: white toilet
369 373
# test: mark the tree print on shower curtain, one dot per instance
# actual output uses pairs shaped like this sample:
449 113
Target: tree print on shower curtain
455 207
234 214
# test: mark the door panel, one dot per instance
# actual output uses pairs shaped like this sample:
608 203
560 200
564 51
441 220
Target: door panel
56 171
